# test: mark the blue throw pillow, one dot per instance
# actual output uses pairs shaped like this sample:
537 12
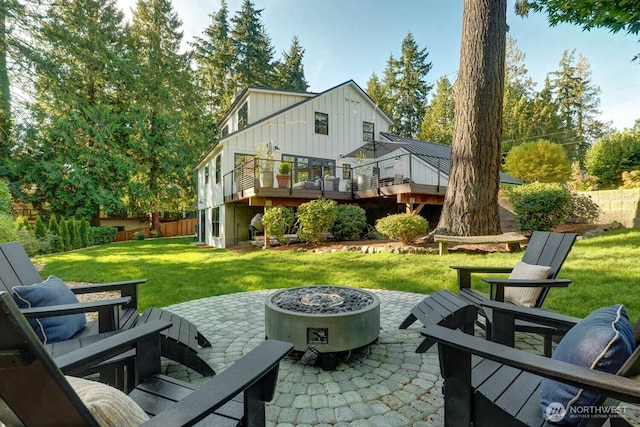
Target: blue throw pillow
52 291
602 341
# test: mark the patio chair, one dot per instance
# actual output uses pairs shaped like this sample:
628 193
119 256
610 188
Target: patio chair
35 392
528 284
488 384
180 342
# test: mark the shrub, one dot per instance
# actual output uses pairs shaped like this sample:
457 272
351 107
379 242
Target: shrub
40 229
8 230
31 244
74 238
64 235
350 222
583 210
22 223
83 232
630 179
140 235
277 222
315 219
539 206
5 198
613 154
540 161
284 168
405 226
103 235
57 244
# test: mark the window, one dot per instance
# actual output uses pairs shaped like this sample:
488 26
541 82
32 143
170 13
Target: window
368 131
215 222
218 169
322 123
224 131
206 174
243 116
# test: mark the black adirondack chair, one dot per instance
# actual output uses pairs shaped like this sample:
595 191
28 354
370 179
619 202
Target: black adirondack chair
489 384
35 392
544 249
180 342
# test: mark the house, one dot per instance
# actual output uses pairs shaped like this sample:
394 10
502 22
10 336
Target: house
326 139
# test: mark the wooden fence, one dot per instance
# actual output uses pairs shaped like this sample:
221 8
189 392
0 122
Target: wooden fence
183 227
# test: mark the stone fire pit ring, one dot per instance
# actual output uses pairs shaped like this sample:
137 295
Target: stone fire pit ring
325 318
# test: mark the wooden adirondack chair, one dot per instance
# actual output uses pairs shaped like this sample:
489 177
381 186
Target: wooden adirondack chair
180 342
489 384
544 249
35 391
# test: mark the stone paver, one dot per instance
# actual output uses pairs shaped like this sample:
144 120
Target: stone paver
383 384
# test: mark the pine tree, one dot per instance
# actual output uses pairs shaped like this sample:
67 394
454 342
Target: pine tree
578 102
405 88
64 235
166 111
80 128
376 91
518 98
252 49
289 72
437 123
213 55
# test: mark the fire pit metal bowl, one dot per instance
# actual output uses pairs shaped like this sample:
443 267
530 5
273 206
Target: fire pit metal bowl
329 319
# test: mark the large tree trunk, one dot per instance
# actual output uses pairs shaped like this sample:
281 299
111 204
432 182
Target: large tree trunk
471 201
5 95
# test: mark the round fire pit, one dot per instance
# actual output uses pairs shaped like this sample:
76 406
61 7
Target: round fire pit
323 319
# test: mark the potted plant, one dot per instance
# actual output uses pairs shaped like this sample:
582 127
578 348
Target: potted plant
264 165
283 176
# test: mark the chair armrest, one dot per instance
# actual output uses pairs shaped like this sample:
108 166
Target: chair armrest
78 360
80 307
464 272
498 285
127 288
504 316
255 373
458 346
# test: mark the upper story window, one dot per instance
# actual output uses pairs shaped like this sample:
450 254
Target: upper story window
224 131
243 116
206 174
322 123
368 131
218 168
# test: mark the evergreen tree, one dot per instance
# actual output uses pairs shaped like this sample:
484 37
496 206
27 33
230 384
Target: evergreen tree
578 102
40 230
289 72
64 235
166 114
437 123
405 88
83 231
518 99
80 128
213 55
471 202
252 49
376 91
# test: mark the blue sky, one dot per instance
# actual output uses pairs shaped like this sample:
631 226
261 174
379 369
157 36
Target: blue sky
351 39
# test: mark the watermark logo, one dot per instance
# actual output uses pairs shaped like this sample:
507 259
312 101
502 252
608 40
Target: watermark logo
555 412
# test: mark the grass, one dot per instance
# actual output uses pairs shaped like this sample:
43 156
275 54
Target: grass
604 270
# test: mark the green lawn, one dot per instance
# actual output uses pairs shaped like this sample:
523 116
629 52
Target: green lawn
604 270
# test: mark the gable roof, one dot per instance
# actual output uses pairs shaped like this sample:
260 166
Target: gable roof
436 155
244 93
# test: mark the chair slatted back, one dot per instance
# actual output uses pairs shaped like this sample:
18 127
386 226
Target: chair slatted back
550 249
16 268
33 390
